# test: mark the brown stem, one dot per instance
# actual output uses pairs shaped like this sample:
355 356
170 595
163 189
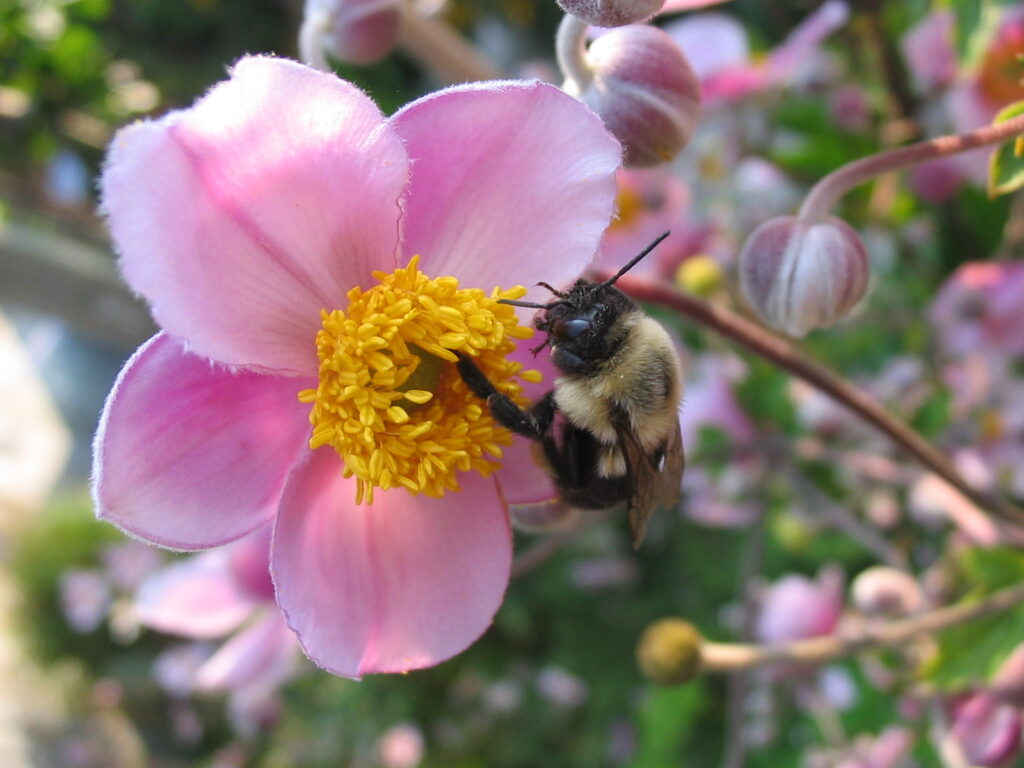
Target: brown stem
442 50
730 657
893 70
783 354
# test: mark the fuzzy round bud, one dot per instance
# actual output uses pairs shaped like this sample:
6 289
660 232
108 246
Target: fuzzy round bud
800 275
611 13
640 83
884 591
353 31
669 651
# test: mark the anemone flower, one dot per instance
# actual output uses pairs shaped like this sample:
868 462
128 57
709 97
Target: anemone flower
312 262
224 594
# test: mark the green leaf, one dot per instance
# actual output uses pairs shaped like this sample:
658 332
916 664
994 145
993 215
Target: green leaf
975 22
1006 166
666 721
969 654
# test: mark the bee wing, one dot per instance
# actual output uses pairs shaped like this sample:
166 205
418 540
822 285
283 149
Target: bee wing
671 475
654 483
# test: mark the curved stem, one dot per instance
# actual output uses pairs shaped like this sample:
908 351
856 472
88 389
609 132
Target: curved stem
827 192
730 657
441 50
571 52
783 354
315 25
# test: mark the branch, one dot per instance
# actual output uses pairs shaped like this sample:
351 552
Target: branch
730 657
441 50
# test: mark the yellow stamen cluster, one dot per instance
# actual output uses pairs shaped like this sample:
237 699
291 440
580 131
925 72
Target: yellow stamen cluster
395 416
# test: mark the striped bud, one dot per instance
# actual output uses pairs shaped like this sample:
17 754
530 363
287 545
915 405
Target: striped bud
800 275
644 90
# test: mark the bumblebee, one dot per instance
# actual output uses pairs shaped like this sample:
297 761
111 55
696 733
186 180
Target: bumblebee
618 393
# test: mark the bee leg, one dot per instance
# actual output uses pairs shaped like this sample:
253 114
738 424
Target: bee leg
533 423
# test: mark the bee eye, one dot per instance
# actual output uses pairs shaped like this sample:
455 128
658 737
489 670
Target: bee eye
571 329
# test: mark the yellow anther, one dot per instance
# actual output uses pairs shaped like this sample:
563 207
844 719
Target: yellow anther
389 399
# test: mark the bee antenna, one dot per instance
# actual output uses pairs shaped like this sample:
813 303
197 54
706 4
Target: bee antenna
559 294
633 262
526 304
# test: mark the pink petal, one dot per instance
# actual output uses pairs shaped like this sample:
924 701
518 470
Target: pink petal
250 564
676 6
399 585
262 653
240 218
522 478
512 183
805 40
712 42
189 454
196 597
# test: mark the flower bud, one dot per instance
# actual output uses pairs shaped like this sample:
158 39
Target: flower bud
669 651
988 732
644 90
800 275
885 591
611 13
796 607
353 31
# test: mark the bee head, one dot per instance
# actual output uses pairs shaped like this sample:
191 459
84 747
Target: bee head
583 325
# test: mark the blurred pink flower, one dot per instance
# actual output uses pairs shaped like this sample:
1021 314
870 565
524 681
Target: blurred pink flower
650 201
988 732
719 498
796 607
996 80
974 95
401 746
929 50
224 594
240 220
710 400
978 310
887 750
716 46
85 597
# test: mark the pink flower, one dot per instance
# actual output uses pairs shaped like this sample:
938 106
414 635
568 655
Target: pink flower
988 731
796 607
978 309
976 94
227 594
284 193
717 48
650 201
930 50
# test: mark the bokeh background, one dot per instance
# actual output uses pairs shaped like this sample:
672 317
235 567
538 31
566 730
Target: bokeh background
782 488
